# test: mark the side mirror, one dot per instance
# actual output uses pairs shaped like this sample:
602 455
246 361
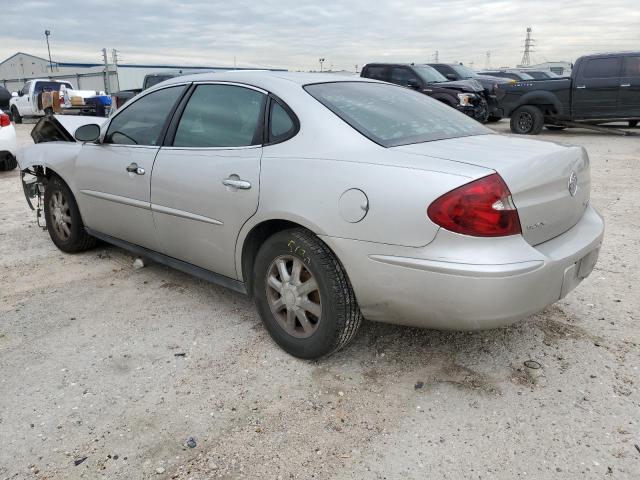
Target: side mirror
88 133
14 94
450 76
413 84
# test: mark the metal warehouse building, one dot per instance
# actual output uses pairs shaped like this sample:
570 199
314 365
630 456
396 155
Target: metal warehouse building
21 67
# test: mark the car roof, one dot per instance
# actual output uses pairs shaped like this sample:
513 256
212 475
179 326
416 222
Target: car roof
264 78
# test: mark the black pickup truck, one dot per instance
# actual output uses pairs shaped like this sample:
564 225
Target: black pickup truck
602 88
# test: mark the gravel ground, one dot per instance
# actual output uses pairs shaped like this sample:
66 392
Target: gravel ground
107 371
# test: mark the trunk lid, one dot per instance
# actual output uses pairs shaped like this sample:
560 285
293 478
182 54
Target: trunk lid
550 183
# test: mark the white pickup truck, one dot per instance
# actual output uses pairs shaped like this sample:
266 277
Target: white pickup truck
46 97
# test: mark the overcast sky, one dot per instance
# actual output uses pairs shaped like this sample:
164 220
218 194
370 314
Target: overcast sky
295 33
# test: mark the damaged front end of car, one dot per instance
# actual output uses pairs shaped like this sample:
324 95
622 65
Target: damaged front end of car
55 152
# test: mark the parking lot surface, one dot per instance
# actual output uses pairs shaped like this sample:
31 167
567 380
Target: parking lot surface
107 371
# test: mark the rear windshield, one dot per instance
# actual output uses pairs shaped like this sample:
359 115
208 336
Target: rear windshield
50 86
390 115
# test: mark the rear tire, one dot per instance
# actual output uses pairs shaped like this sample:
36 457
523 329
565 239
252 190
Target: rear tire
527 120
17 119
633 123
9 162
48 111
64 222
303 295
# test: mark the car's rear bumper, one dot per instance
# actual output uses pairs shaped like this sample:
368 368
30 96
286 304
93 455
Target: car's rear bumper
467 283
8 142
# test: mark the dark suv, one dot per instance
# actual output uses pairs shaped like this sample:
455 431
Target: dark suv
456 71
466 96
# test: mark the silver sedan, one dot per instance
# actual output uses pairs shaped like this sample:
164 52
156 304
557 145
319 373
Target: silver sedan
327 199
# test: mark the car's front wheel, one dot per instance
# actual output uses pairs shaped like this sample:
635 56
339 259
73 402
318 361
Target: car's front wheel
63 218
303 295
527 120
15 115
8 162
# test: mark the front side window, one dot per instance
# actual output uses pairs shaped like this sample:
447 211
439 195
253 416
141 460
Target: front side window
404 76
141 122
601 68
631 67
392 116
221 116
25 89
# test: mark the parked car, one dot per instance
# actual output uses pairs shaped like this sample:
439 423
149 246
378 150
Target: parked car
602 88
327 199
456 71
5 96
516 75
8 145
466 96
541 74
42 97
120 98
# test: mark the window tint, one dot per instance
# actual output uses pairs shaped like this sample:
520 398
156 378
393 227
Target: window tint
392 116
601 68
376 72
402 76
280 123
141 123
631 67
221 116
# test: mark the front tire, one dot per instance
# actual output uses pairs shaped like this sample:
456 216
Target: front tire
303 295
64 222
633 123
17 119
527 120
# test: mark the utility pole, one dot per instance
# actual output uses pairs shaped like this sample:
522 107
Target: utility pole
321 60
436 57
106 71
46 34
528 43
487 62
356 70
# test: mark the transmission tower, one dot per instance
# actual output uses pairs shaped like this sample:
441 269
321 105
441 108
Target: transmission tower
528 43
437 56
487 62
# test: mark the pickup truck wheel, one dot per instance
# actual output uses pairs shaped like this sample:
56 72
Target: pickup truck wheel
8 163
48 111
62 215
527 120
555 128
303 295
16 115
633 123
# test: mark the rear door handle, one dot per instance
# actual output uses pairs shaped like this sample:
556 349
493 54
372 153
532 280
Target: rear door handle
134 168
581 86
235 182
625 85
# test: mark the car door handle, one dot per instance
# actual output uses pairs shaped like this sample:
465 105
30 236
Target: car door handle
234 181
134 168
581 86
625 85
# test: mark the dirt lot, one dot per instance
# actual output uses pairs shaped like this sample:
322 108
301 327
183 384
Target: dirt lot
106 371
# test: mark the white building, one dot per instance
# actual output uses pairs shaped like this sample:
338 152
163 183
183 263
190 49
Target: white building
20 67
560 68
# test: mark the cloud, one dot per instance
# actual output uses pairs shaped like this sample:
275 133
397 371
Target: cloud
295 33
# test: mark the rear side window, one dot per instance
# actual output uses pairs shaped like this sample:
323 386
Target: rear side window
281 125
392 116
601 68
141 123
631 67
375 72
221 116
403 76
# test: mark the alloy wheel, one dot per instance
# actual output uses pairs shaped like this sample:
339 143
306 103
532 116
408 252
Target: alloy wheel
60 215
293 295
525 122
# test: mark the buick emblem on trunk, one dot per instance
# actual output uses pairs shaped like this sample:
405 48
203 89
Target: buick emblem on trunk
573 184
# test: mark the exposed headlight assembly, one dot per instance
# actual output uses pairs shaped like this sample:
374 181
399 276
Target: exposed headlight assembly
466 99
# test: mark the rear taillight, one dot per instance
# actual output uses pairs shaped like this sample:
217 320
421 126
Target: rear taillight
482 208
5 121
